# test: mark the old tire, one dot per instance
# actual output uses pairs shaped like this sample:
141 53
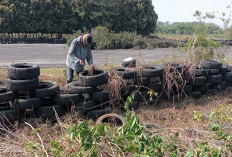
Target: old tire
23 71
86 106
100 96
76 88
66 99
152 71
98 113
111 116
30 103
210 64
46 89
47 112
214 78
21 85
6 96
99 78
125 73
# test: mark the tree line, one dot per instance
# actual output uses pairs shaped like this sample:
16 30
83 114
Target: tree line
186 27
68 16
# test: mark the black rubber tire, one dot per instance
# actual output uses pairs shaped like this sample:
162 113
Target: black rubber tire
174 67
8 117
199 80
30 103
98 113
214 71
227 77
212 91
141 96
203 88
214 78
223 70
196 71
223 84
66 99
176 97
128 90
133 105
76 88
210 64
119 117
195 94
156 87
187 89
141 81
46 89
23 71
100 78
126 73
100 96
86 106
47 112
152 71
22 85
6 96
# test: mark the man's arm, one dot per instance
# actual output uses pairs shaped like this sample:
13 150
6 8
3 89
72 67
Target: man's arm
90 58
72 50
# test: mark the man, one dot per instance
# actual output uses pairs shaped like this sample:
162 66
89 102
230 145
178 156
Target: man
80 49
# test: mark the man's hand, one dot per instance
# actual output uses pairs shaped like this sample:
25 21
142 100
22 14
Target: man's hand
81 62
92 67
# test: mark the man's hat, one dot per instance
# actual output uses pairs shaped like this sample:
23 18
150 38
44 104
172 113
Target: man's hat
89 39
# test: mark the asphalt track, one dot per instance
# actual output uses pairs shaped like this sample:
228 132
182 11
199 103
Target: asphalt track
54 55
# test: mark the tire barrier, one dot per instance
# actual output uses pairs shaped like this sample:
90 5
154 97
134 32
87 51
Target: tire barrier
33 40
24 96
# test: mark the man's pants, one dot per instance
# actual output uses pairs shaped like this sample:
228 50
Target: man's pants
69 73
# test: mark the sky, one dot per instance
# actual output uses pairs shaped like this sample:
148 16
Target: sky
183 10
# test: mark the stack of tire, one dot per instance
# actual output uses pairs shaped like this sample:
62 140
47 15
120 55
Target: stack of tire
174 83
23 80
31 94
154 76
33 40
8 114
129 85
94 101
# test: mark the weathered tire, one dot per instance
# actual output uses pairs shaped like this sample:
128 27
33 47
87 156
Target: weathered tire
141 96
141 81
119 117
127 91
203 88
195 94
47 112
98 113
76 88
227 77
86 106
214 71
210 64
199 80
6 96
223 70
125 73
212 91
100 96
196 71
174 67
214 78
132 105
8 116
187 89
23 71
152 71
99 78
30 103
66 99
22 85
156 87
46 89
